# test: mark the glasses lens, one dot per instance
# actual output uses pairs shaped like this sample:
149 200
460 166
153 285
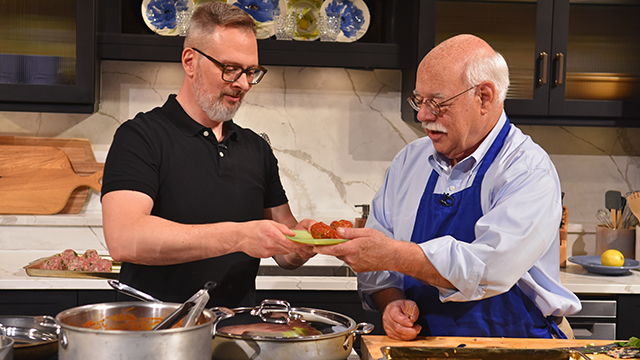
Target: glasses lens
255 75
414 104
433 107
231 73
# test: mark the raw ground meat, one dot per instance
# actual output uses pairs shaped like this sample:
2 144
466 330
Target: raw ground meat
102 265
92 256
67 255
78 263
70 260
53 263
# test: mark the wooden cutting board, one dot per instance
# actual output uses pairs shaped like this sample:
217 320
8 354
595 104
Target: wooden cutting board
79 152
38 179
371 344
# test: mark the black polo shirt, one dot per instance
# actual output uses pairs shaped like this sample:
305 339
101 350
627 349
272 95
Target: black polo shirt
194 179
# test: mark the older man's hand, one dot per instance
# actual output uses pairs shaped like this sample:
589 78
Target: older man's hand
368 250
399 320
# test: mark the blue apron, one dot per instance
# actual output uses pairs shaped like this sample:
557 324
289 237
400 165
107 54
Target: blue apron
511 314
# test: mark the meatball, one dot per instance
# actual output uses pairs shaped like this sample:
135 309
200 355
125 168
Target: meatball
53 263
321 230
92 256
102 265
341 223
78 263
67 256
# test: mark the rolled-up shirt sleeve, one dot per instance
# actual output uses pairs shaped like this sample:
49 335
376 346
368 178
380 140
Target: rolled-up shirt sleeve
510 238
516 238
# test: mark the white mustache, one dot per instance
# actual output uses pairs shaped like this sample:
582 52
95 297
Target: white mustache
434 126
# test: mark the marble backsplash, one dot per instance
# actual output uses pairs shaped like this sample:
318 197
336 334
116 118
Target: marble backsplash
334 132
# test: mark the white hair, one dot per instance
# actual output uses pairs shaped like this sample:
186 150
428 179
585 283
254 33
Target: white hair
482 67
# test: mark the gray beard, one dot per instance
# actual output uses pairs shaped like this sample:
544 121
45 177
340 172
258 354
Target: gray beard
212 106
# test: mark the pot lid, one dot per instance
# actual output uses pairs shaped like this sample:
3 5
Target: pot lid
277 320
28 330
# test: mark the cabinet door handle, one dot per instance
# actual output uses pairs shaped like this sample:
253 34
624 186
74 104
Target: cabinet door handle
560 57
544 58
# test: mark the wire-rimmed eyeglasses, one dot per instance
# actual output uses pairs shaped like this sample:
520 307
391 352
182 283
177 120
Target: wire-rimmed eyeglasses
434 107
231 73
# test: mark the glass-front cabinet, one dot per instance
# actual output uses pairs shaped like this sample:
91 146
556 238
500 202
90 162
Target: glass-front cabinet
47 55
569 60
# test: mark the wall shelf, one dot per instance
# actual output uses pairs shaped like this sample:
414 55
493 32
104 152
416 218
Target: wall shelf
142 47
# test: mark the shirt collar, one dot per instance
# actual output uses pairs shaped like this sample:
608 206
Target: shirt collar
440 162
187 125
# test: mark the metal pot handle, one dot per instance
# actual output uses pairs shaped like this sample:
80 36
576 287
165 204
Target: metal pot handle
221 313
268 306
366 328
50 321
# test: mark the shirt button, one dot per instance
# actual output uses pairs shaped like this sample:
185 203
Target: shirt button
221 154
451 188
205 133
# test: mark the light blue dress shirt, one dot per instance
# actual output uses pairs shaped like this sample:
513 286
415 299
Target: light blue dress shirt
517 237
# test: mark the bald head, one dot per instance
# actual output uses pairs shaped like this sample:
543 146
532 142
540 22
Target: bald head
469 60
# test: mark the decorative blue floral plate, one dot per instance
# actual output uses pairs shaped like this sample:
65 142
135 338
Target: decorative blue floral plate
263 13
592 264
354 17
160 15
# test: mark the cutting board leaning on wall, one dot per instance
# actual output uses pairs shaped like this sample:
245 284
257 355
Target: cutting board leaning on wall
38 179
79 152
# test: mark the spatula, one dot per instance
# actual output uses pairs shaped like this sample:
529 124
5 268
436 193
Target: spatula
613 202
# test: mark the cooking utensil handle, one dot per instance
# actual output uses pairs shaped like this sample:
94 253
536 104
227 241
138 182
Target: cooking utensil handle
174 317
544 57
128 290
560 77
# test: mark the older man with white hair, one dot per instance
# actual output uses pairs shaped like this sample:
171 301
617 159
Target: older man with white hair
466 223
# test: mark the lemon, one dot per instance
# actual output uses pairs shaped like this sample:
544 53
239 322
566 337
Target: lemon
612 257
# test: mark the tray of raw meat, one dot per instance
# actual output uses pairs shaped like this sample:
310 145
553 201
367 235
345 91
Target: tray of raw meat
71 264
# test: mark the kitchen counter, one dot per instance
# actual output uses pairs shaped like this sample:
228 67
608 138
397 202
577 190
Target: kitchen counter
25 238
13 276
371 344
578 280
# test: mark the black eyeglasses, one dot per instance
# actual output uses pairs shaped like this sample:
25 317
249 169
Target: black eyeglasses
231 73
434 107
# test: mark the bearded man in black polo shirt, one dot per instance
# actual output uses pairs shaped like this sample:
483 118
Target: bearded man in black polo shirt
189 196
